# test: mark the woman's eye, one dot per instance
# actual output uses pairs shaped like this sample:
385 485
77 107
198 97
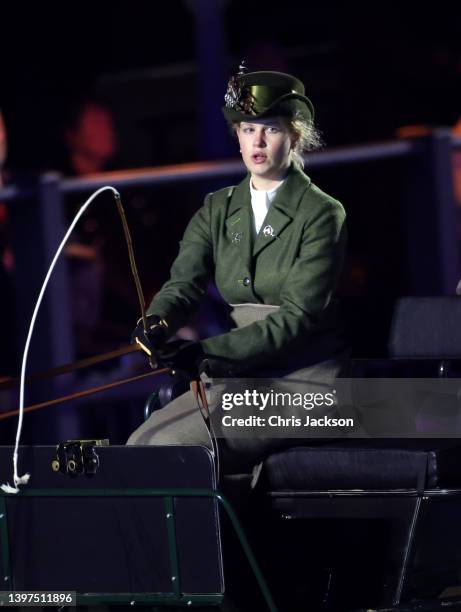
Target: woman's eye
273 130
247 130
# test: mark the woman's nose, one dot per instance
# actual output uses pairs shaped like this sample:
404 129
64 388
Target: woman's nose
259 140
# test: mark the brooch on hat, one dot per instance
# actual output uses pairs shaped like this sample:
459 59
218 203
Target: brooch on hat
237 96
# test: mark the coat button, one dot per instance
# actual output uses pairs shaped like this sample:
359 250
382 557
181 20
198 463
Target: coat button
246 281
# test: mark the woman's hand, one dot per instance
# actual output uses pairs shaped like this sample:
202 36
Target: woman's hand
185 356
152 339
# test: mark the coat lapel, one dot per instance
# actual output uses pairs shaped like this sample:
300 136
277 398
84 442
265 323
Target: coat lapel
282 210
239 222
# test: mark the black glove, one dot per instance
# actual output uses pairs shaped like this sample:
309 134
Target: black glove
184 356
151 340
189 358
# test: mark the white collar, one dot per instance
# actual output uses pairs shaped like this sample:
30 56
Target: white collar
261 201
270 193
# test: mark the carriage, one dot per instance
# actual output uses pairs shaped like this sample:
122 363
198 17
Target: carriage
346 524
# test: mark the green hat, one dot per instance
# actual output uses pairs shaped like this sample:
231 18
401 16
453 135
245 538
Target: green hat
255 95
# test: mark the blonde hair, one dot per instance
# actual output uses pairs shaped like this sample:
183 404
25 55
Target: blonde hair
307 138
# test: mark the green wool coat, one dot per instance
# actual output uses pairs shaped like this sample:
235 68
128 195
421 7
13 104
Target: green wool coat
294 263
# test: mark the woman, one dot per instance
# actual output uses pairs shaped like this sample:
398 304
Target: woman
275 245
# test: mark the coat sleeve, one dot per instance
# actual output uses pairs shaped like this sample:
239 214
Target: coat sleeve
181 294
305 295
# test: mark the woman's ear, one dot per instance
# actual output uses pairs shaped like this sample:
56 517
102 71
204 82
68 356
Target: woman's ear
294 139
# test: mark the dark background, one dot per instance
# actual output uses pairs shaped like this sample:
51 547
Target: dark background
369 67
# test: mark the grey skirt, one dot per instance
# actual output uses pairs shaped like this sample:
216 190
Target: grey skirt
181 421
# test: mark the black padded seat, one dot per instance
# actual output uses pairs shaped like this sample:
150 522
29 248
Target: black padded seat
359 489
372 465
426 328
